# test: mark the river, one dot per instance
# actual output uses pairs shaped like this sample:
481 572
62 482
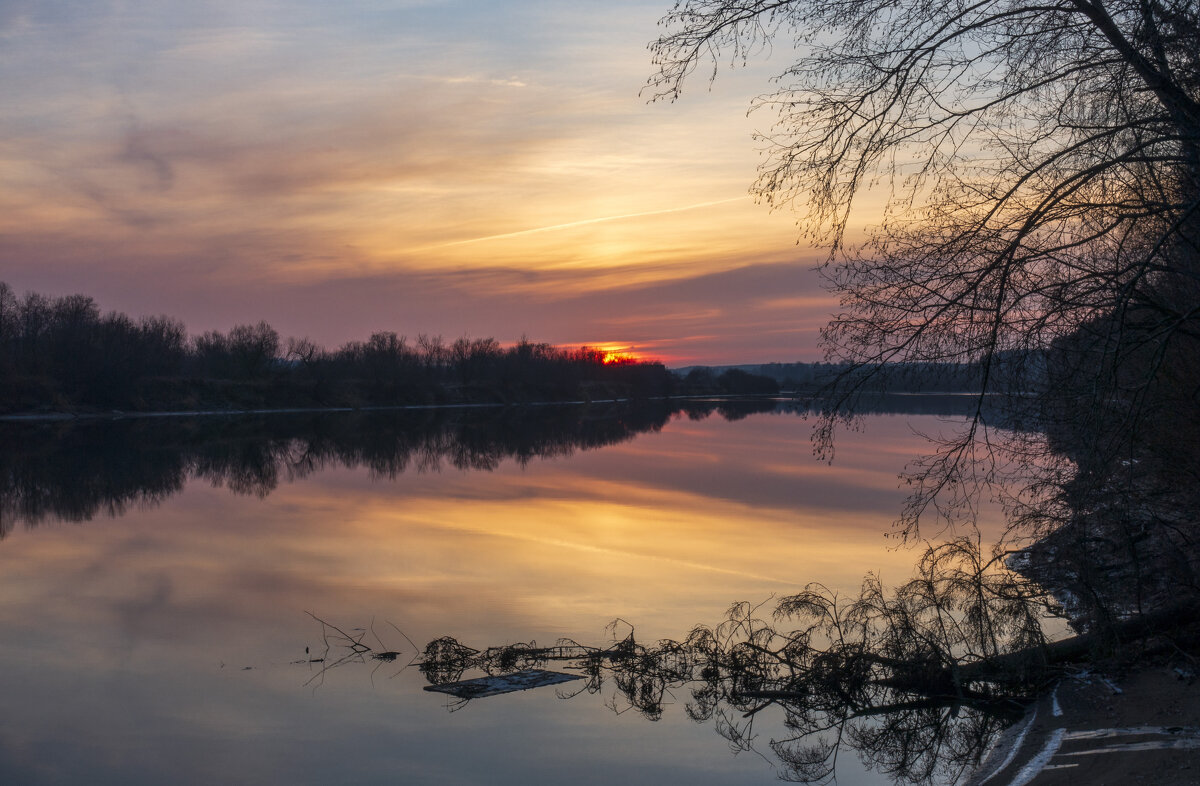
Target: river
157 580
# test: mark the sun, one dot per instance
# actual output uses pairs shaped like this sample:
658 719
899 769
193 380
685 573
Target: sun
617 357
614 354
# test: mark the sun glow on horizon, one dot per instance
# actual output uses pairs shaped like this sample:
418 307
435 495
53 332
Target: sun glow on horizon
612 353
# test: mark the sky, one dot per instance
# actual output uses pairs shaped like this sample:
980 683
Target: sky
417 166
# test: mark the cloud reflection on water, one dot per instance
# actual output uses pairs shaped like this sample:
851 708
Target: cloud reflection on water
126 637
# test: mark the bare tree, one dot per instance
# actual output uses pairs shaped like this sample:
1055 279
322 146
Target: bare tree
1042 162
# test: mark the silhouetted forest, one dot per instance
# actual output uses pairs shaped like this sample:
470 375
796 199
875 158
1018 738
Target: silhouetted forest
923 377
64 353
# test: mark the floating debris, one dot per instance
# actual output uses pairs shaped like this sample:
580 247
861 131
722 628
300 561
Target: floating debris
504 683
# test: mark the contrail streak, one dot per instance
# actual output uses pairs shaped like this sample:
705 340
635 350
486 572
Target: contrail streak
585 222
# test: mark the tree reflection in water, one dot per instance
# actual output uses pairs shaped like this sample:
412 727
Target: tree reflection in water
916 681
77 471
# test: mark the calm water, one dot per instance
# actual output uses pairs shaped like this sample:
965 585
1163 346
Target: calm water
155 576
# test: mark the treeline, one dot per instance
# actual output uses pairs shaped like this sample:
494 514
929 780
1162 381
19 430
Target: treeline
813 377
895 377
64 353
701 380
925 377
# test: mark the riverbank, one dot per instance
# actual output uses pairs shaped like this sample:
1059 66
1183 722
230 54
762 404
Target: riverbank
1100 730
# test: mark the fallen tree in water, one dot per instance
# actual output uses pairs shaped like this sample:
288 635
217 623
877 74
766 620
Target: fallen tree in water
916 681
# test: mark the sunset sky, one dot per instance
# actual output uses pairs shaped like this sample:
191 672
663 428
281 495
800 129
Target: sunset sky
479 168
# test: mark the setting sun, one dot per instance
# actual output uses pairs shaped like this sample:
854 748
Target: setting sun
611 353
618 357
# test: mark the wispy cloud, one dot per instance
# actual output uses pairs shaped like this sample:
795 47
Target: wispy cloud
351 162
475 80
586 222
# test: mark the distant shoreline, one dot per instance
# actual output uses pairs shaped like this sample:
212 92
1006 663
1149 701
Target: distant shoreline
122 415
68 416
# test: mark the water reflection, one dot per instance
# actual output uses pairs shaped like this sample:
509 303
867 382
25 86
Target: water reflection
157 646
73 472
76 471
916 681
